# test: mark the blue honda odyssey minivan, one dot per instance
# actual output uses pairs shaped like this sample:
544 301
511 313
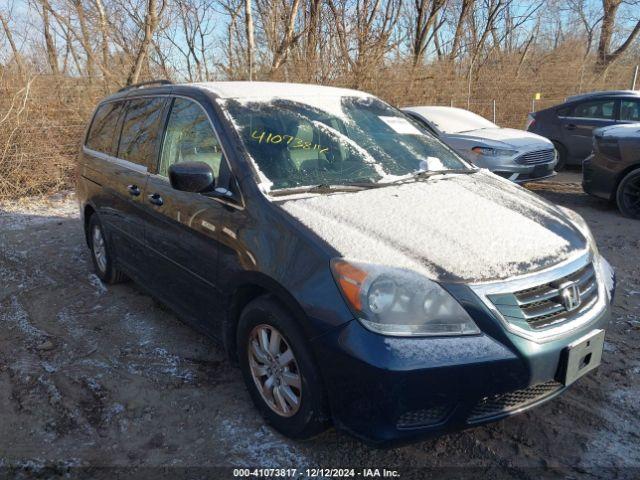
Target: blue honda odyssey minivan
358 271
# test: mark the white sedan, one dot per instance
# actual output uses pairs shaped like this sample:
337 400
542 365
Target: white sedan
517 155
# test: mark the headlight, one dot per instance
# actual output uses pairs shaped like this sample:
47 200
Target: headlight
494 152
399 302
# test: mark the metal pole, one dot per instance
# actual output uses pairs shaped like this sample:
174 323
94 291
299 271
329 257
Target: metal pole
635 77
533 105
452 102
494 111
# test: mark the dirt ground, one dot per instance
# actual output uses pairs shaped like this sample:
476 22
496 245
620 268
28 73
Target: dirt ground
94 375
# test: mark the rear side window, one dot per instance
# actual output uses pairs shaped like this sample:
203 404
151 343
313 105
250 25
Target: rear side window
595 109
101 136
630 110
189 138
141 130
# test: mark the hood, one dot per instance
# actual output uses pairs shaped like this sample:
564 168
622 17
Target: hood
503 137
629 130
459 228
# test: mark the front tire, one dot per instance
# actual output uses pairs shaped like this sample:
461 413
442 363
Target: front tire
102 253
279 371
562 156
628 194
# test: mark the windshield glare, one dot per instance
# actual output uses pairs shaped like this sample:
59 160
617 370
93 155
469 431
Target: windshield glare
336 140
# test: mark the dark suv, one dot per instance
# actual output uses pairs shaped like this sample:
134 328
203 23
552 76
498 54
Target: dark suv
357 270
570 125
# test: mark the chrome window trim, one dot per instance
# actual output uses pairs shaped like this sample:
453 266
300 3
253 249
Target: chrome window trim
119 161
589 118
483 290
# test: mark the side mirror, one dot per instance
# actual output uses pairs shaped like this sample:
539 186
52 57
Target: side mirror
191 177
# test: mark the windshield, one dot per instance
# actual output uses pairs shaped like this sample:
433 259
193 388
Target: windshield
334 140
454 120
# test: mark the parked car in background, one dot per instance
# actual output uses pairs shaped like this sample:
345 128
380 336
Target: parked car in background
514 154
356 269
570 125
612 171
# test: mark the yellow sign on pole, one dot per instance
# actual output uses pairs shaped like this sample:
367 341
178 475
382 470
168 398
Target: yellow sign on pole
537 96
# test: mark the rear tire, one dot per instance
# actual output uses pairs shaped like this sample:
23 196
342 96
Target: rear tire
102 253
279 371
628 194
562 156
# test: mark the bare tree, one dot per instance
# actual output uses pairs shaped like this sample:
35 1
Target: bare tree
465 10
16 54
605 56
52 54
426 14
151 19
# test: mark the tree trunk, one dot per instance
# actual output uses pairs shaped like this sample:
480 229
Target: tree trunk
605 56
102 16
288 39
610 9
248 25
467 6
150 24
86 42
425 18
14 49
52 55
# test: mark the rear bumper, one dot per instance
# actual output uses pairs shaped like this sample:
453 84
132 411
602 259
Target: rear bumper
388 390
597 180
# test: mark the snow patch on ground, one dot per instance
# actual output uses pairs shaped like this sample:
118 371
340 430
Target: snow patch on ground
17 317
261 447
99 287
35 211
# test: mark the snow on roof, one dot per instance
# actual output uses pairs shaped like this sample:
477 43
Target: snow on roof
275 89
474 227
451 119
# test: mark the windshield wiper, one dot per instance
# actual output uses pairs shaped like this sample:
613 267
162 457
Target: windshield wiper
430 173
325 188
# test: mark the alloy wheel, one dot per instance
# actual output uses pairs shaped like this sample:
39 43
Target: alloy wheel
99 249
274 370
631 196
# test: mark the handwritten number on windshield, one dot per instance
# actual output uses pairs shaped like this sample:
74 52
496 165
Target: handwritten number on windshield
292 141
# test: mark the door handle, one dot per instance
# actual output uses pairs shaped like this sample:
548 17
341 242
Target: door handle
133 190
571 126
156 199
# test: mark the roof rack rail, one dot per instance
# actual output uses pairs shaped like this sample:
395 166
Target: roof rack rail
144 84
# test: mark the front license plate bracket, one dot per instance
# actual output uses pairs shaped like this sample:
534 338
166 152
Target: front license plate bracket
581 356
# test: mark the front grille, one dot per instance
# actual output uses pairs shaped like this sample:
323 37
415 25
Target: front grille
539 156
544 305
424 417
502 403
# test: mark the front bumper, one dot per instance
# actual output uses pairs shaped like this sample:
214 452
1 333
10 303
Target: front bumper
526 173
388 390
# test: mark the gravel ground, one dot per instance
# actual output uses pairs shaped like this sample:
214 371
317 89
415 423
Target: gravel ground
102 376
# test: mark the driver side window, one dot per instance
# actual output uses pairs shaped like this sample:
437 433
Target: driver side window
189 138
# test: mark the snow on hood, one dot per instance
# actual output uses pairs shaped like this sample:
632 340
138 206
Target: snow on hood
465 228
505 137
